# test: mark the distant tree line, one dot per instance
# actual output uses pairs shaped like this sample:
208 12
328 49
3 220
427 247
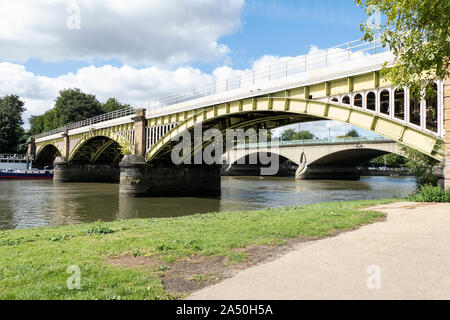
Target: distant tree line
291 134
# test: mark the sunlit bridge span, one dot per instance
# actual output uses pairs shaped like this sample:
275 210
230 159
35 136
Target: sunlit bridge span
342 83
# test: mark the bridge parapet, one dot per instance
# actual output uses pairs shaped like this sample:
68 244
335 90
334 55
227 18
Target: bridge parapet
89 122
332 141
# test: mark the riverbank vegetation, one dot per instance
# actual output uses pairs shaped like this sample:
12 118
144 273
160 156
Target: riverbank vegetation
430 193
139 259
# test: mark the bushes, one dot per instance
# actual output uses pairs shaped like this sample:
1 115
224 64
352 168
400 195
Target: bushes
429 193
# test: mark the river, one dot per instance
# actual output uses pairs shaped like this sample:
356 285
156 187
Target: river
25 204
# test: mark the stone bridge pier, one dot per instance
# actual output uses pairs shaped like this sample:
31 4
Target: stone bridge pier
161 177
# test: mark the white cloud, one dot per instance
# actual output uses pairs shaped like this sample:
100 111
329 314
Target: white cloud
137 32
128 84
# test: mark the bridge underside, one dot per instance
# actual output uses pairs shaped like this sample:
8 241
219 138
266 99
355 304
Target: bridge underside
257 120
96 160
46 157
339 165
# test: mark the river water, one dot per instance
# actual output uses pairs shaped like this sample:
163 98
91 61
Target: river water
25 204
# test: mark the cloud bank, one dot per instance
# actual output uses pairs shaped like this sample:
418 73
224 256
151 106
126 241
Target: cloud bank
136 32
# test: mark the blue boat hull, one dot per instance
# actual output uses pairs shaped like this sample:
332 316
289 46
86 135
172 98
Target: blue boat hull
25 175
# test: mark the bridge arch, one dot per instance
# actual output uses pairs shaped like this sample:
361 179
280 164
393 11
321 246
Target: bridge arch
47 154
322 153
105 148
351 157
385 125
251 163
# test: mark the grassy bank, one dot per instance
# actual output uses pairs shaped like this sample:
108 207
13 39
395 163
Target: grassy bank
34 262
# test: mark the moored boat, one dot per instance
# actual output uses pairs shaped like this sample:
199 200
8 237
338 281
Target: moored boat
27 174
20 167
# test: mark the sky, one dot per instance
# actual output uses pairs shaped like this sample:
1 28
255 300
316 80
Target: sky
138 50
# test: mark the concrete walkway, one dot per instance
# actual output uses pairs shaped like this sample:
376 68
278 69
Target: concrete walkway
406 257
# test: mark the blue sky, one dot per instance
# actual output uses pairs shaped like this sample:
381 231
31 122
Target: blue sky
139 50
268 27
289 28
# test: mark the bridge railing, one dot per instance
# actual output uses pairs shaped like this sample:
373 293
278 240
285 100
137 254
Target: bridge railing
311 142
88 122
13 156
346 52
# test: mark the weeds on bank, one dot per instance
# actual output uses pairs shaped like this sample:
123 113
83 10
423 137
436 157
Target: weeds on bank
429 193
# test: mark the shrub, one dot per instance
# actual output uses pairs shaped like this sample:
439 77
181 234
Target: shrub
429 193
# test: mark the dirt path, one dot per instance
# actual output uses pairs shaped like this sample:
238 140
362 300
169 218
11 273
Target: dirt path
405 257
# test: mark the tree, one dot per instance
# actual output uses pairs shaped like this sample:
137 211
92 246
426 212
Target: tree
22 142
112 105
291 134
418 34
11 109
421 166
304 135
353 133
391 160
72 105
288 135
36 124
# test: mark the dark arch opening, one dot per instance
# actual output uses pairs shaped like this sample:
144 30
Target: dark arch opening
348 158
346 100
244 166
46 156
371 101
399 103
432 108
98 150
384 102
358 100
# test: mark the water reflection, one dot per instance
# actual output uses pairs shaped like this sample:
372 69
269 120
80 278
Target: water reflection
43 203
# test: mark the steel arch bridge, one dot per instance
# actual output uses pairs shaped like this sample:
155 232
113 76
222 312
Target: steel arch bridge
343 84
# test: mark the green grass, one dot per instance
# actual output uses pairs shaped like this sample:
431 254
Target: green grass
34 262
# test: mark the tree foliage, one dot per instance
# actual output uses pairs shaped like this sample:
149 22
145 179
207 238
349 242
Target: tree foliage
421 166
418 34
11 132
352 133
113 105
72 105
291 134
390 160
